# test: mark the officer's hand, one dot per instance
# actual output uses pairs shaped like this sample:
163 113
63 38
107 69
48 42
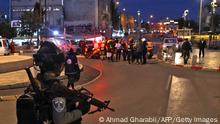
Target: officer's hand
77 104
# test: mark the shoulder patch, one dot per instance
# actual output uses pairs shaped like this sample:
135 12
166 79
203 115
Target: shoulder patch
69 61
59 104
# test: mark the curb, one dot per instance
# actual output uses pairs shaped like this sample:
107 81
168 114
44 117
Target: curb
14 97
192 67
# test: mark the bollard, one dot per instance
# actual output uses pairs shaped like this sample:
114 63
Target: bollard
194 60
21 52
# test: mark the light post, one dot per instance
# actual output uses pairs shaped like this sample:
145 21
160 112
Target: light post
124 9
185 13
138 21
200 16
151 22
213 5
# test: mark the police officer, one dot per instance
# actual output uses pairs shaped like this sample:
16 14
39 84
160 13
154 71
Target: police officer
187 48
67 108
72 70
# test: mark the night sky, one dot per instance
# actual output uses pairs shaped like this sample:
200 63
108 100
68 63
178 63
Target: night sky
159 8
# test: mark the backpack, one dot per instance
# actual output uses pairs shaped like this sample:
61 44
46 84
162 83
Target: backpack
31 110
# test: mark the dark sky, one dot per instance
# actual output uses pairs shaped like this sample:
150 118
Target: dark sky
159 8
162 8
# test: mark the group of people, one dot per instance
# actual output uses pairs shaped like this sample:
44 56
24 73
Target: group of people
131 51
186 49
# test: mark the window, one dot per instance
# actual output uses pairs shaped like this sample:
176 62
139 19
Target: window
0 44
170 41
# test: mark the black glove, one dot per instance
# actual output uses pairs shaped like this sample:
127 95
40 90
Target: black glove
84 106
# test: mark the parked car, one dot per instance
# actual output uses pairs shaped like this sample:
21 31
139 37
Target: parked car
4 47
170 42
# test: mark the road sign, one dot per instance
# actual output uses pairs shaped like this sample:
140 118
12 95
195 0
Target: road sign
16 23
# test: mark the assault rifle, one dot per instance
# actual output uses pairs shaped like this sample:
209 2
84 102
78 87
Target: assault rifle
81 93
86 94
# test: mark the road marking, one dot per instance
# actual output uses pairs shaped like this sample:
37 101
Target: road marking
168 86
93 80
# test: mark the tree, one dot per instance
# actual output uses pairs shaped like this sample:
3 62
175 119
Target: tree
39 11
31 22
188 24
7 31
114 15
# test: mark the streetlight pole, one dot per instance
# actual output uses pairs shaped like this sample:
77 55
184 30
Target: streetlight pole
138 21
139 24
200 16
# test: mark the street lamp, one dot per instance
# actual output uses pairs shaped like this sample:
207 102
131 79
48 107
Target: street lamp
151 16
124 9
213 5
139 14
117 2
185 13
200 16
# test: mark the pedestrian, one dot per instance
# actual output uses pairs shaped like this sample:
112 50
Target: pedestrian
72 70
12 46
187 48
118 50
103 50
202 46
130 51
139 52
124 50
109 50
134 52
144 47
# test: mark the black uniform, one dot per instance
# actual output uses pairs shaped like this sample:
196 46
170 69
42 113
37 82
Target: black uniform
187 48
50 60
144 52
202 46
71 68
62 99
130 53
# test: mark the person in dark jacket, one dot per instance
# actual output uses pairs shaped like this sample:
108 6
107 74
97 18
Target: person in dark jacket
139 52
72 70
130 52
144 55
187 48
202 46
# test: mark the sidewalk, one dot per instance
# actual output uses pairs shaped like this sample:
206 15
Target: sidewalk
211 61
14 63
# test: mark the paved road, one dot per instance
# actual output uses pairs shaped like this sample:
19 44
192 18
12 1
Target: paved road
148 91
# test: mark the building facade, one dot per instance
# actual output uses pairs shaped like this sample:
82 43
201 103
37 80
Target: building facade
54 15
78 16
86 16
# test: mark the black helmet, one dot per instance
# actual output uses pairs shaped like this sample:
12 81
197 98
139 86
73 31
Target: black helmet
49 58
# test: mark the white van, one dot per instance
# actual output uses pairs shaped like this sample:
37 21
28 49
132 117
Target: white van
4 47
